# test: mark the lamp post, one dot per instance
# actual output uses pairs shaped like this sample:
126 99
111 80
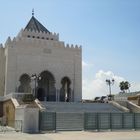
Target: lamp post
35 77
109 83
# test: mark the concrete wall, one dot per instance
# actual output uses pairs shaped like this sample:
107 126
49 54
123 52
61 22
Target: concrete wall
32 55
29 117
2 70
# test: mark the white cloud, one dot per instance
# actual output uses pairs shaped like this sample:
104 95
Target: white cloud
85 64
134 86
98 87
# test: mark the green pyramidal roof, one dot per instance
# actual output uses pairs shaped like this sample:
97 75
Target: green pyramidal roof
35 25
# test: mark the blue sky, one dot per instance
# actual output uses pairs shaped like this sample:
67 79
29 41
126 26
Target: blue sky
108 30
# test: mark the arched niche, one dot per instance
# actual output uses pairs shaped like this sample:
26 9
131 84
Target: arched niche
65 91
24 86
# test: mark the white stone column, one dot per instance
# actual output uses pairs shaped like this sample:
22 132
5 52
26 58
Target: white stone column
57 86
58 94
72 90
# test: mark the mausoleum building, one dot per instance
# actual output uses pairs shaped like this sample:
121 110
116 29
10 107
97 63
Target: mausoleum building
37 62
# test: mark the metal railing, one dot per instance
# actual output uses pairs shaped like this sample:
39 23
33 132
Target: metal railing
95 121
112 121
47 121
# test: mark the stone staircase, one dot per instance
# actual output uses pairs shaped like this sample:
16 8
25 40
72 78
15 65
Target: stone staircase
78 107
70 115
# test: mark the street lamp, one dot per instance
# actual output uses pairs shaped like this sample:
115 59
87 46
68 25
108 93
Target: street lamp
35 77
109 83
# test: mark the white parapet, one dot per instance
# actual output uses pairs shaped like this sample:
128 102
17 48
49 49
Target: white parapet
38 35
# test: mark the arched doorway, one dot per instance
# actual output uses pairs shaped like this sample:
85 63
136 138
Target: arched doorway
65 91
46 87
41 94
24 86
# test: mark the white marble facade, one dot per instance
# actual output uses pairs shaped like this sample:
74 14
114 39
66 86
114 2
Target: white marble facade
35 50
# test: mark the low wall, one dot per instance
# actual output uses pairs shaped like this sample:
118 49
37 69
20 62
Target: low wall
18 96
131 106
119 106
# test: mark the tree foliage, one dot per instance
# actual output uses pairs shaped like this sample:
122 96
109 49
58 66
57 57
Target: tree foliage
124 86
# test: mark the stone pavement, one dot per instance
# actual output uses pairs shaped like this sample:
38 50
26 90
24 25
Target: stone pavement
73 135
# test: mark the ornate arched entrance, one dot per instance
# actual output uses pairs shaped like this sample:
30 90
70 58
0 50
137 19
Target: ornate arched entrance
24 86
65 91
46 87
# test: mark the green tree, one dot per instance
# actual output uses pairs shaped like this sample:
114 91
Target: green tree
124 86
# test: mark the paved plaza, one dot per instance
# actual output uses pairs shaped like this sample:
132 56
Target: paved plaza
73 135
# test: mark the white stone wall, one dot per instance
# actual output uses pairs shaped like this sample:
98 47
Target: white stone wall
2 70
32 55
29 118
39 35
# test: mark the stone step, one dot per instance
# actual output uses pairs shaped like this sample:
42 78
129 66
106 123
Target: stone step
79 107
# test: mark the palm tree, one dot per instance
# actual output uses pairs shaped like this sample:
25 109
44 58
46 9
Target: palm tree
121 85
124 86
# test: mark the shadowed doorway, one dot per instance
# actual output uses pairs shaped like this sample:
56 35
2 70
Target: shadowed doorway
46 87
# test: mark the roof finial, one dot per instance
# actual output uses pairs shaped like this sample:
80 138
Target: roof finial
33 12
